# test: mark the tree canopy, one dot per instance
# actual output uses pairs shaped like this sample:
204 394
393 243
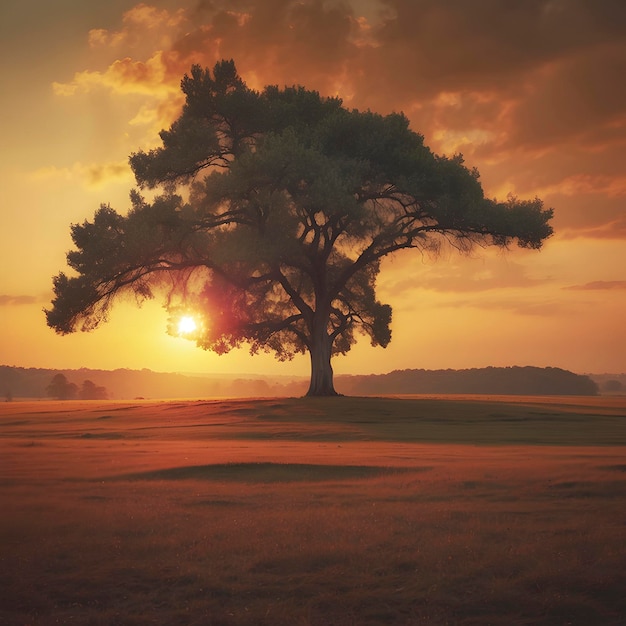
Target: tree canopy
61 388
272 214
91 391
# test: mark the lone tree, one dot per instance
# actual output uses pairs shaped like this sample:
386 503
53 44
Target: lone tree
274 212
61 389
91 391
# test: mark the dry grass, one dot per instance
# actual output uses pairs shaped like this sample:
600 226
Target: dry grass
470 511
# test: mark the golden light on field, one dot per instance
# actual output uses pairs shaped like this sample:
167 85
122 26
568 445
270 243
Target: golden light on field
422 511
187 325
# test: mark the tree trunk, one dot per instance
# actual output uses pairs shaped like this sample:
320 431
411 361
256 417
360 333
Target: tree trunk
321 371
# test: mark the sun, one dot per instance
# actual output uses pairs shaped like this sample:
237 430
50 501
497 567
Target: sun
186 325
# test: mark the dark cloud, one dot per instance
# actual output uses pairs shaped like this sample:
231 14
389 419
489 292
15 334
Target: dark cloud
532 92
581 97
278 41
484 44
537 74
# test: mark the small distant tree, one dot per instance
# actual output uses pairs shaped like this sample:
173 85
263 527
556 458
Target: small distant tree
8 396
613 385
91 391
277 209
61 389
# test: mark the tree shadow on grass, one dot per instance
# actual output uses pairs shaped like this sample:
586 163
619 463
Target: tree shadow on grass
270 472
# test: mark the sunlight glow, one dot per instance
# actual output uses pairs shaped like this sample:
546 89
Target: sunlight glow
186 325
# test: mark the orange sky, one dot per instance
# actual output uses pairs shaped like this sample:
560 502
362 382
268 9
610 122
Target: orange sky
532 93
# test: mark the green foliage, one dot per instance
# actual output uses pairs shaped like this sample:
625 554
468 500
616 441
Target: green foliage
293 200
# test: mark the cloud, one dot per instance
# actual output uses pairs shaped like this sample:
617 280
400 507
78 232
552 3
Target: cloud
7 300
491 272
93 175
531 92
531 307
511 302
279 41
484 45
98 174
465 280
125 76
497 60
138 58
615 229
611 186
137 22
599 285
579 97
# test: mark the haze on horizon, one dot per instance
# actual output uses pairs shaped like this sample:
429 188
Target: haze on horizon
532 94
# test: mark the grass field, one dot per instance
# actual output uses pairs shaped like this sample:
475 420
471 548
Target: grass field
344 511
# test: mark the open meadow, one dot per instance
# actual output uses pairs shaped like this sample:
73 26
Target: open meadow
322 511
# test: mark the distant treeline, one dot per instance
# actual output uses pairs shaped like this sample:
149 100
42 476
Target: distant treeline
18 382
530 381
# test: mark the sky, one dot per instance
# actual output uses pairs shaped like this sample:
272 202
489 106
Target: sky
531 93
